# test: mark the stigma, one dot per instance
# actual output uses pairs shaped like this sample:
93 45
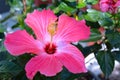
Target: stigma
50 48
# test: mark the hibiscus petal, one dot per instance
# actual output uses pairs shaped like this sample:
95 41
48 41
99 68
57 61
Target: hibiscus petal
117 4
72 59
71 30
21 42
39 21
104 7
45 64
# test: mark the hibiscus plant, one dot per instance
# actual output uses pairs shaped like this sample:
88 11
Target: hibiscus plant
46 43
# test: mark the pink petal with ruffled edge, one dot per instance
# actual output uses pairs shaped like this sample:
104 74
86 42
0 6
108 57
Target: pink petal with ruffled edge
39 21
71 58
45 64
117 4
70 30
104 7
21 42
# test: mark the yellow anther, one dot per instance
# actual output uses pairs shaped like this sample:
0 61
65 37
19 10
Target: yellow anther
76 16
52 28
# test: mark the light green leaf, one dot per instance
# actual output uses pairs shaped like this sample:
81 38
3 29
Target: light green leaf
81 4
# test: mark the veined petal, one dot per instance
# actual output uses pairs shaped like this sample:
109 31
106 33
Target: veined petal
45 64
71 30
104 7
72 59
117 4
21 42
39 22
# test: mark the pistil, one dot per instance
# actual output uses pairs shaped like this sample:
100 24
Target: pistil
52 27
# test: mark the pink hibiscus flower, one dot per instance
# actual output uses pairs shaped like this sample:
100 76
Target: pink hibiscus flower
109 5
117 6
51 46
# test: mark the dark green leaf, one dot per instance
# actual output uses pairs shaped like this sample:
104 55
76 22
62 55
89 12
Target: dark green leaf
71 0
113 37
5 76
66 75
1 35
90 49
4 55
106 62
21 76
38 76
117 55
23 59
2 48
93 24
105 20
9 67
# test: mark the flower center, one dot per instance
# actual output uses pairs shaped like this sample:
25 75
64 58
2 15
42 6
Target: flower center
50 48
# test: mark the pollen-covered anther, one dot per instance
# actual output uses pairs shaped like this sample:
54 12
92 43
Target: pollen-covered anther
52 27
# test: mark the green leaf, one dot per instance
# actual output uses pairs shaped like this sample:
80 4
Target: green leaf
105 20
95 36
92 1
91 49
21 76
64 7
56 10
92 15
117 55
102 18
106 62
4 55
2 28
2 48
1 36
66 75
113 37
9 67
71 0
5 76
81 4
15 4
39 76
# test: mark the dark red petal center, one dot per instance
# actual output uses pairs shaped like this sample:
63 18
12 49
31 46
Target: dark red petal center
50 48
